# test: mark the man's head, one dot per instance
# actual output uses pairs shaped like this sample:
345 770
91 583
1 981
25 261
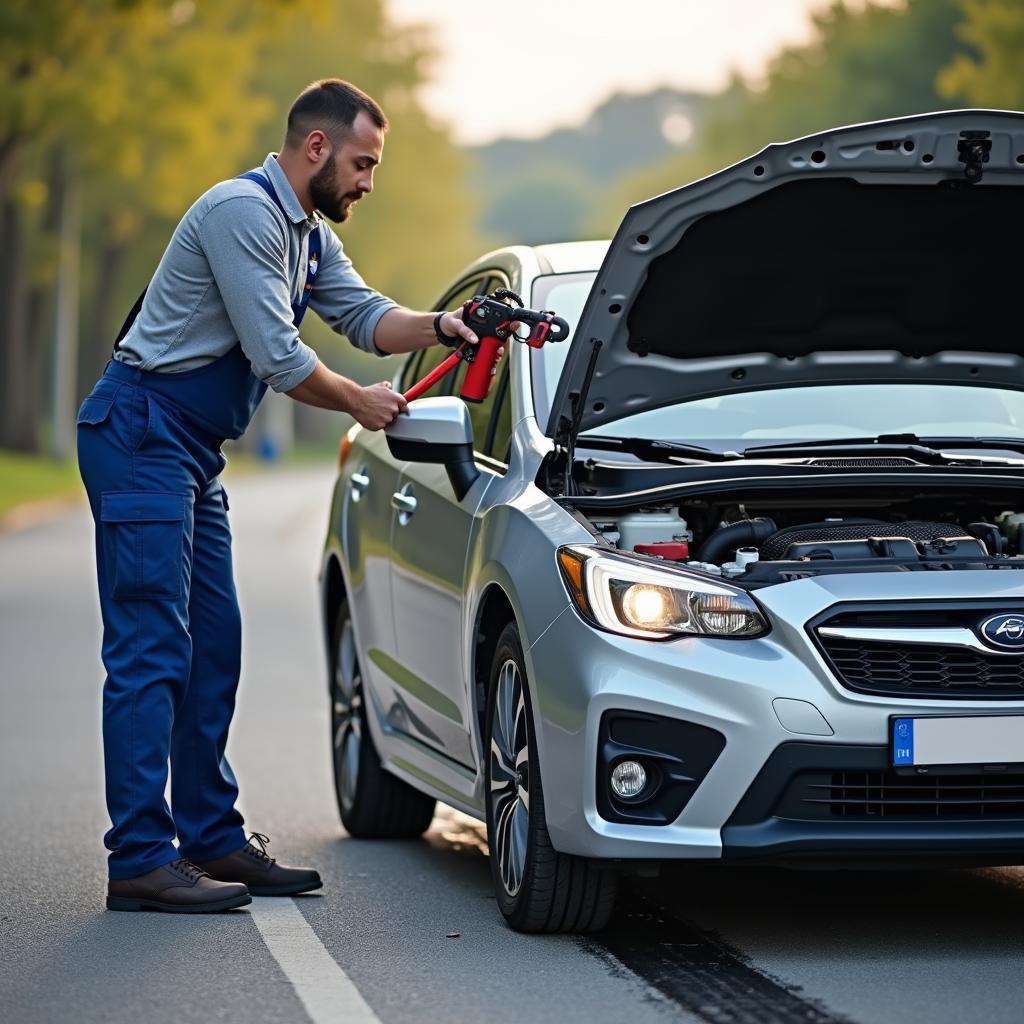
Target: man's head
336 132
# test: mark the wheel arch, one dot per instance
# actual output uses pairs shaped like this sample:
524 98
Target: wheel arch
494 612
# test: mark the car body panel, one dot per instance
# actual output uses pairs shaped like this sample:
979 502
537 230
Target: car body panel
428 566
365 538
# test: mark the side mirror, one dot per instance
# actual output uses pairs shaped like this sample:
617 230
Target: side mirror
437 430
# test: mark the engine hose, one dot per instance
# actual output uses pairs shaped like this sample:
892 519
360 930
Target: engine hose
743 534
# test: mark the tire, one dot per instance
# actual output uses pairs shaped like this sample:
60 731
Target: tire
538 889
373 803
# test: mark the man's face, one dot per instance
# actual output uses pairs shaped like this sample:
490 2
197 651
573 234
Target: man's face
347 174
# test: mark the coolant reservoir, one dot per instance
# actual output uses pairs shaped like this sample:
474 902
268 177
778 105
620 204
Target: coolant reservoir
744 556
651 527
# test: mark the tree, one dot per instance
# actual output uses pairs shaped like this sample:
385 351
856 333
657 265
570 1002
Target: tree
143 105
994 75
106 95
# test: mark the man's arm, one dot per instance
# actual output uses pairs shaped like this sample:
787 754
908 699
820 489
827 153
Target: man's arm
403 330
371 321
374 407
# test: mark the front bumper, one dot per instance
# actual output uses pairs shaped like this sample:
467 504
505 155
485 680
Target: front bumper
759 695
835 802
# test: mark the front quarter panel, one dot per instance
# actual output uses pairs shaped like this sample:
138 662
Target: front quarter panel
515 549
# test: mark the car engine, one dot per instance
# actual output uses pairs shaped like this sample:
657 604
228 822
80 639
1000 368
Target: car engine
731 541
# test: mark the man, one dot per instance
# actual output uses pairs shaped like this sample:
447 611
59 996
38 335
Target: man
217 325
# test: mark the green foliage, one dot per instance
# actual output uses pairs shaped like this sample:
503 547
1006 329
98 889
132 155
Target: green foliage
995 76
142 105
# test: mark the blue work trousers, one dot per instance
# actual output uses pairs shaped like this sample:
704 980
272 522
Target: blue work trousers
171 627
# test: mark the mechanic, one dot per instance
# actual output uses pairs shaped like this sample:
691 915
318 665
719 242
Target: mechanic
217 325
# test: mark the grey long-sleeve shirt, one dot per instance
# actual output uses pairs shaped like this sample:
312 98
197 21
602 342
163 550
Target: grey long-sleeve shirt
229 274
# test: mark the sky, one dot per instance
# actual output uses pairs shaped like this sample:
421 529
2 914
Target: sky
524 67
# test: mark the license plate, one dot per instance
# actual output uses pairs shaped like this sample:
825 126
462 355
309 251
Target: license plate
952 742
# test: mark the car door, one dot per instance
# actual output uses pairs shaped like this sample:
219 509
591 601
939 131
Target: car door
429 547
370 476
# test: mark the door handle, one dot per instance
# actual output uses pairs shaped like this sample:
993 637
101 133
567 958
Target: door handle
405 503
360 484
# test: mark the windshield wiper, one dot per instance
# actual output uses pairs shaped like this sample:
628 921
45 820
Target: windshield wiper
923 449
643 448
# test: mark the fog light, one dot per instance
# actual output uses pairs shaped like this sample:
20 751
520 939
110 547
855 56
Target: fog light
628 779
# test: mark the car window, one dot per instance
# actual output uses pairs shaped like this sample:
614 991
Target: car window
831 411
565 294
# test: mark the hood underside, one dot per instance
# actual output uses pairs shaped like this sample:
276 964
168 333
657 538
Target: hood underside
886 252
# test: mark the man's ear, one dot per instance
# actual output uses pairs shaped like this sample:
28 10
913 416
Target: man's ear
318 147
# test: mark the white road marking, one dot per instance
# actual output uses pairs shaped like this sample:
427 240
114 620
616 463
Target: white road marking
324 988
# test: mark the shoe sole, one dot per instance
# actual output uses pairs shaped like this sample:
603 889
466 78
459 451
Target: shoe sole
284 890
126 903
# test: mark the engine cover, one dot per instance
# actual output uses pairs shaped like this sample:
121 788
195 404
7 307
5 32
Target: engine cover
778 545
901 549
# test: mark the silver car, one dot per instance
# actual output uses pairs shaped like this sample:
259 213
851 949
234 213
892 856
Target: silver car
732 574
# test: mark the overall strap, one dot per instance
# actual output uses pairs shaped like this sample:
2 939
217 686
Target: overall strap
312 264
314 246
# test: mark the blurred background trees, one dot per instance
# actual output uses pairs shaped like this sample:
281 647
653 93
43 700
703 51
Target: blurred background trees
116 114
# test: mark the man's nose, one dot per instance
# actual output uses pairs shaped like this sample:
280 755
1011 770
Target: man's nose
365 183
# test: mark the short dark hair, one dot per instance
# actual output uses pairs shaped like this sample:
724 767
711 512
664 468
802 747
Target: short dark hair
331 105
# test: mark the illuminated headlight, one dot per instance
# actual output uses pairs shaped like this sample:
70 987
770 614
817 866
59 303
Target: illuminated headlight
634 598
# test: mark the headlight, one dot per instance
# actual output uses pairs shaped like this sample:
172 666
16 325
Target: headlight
634 598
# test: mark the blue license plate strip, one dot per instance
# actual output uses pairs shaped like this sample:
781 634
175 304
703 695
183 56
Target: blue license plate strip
948 741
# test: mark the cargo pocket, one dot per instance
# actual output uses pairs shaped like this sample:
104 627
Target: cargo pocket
96 407
94 410
143 540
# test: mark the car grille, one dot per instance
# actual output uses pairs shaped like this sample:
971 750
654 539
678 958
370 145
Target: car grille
870 795
924 670
913 670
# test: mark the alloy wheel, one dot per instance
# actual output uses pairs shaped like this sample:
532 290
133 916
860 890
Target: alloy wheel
346 725
510 777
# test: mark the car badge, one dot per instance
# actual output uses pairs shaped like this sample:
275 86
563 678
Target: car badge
1006 631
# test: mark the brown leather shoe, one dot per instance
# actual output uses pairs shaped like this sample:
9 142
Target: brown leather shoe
179 887
262 874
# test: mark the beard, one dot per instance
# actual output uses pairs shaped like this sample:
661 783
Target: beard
333 206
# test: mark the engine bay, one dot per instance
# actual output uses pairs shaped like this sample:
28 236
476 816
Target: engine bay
775 539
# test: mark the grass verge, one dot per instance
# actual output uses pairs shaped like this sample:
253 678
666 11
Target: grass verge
25 478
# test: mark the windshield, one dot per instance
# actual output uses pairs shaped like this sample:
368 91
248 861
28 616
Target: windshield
783 414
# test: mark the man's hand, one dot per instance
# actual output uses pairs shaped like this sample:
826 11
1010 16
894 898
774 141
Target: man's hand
454 326
374 407
377 406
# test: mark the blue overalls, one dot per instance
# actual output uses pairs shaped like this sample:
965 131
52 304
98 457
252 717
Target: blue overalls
149 455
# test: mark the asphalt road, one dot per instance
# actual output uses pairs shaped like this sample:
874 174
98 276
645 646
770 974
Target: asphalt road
728 946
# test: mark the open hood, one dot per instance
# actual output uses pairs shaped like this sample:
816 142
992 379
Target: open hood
884 252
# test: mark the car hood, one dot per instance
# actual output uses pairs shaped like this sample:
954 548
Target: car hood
882 252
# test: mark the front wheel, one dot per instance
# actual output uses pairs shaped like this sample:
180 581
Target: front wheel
373 803
538 889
